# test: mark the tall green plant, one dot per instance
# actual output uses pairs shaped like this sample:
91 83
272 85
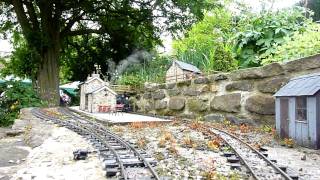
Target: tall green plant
206 45
298 46
259 34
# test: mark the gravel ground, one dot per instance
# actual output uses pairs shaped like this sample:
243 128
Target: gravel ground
54 159
44 151
182 153
185 153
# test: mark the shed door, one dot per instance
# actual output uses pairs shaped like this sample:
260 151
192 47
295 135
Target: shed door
284 118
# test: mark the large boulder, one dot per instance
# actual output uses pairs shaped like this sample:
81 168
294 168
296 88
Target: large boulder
197 105
273 69
218 77
310 62
240 86
272 85
150 86
147 95
160 105
173 92
261 104
227 103
160 94
201 80
269 70
176 103
170 85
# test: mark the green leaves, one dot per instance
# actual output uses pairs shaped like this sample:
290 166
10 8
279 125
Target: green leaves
17 95
297 46
206 44
259 34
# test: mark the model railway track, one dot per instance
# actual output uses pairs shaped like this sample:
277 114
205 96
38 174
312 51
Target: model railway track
121 159
257 163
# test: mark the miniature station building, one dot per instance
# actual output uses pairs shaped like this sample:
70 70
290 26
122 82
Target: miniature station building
180 71
298 110
95 92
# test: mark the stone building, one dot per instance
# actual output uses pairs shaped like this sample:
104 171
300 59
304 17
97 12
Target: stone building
95 92
180 71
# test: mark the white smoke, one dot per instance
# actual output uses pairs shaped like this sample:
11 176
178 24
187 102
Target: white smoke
136 57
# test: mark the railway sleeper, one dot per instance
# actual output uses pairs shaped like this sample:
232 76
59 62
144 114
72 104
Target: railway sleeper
127 163
233 159
110 172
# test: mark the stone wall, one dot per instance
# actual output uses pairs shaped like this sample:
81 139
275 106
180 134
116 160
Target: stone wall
240 96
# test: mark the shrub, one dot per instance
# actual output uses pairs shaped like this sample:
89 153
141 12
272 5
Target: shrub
17 95
151 71
207 44
298 46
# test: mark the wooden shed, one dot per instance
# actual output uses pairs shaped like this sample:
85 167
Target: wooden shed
298 110
180 71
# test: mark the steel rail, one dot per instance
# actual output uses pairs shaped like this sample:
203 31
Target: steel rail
285 175
100 138
101 128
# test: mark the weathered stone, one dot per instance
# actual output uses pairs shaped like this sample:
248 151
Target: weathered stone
150 86
260 104
214 117
160 105
184 83
214 88
191 92
160 94
273 69
173 92
147 95
228 102
272 85
161 86
237 120
218 77
310 62
145 106
197 105
269 70
170 85
250 73
240 86
176 103
201 80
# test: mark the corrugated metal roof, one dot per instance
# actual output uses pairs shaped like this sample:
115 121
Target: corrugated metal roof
188 67
306 85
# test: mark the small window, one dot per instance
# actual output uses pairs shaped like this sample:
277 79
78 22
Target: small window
301 108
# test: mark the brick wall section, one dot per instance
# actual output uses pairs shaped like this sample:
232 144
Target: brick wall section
240 96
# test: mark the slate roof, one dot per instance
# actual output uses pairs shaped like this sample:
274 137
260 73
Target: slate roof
188 67
306 85
101 88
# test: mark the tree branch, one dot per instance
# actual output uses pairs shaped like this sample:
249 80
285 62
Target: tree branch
71 22
84 31
32 15
22 18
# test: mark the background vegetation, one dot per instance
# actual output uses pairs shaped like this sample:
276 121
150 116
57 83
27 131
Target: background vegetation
16 95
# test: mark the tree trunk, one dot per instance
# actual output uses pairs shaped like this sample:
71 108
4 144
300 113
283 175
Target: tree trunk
48 76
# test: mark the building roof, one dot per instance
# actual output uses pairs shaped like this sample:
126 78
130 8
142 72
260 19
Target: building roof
306 85
102 88
188 67
93 78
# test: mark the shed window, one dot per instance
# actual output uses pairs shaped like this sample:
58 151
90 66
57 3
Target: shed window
301 108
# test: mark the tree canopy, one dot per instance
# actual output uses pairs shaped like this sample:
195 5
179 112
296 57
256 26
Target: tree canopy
48 24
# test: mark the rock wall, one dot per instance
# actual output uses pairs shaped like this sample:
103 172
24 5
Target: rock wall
240 96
